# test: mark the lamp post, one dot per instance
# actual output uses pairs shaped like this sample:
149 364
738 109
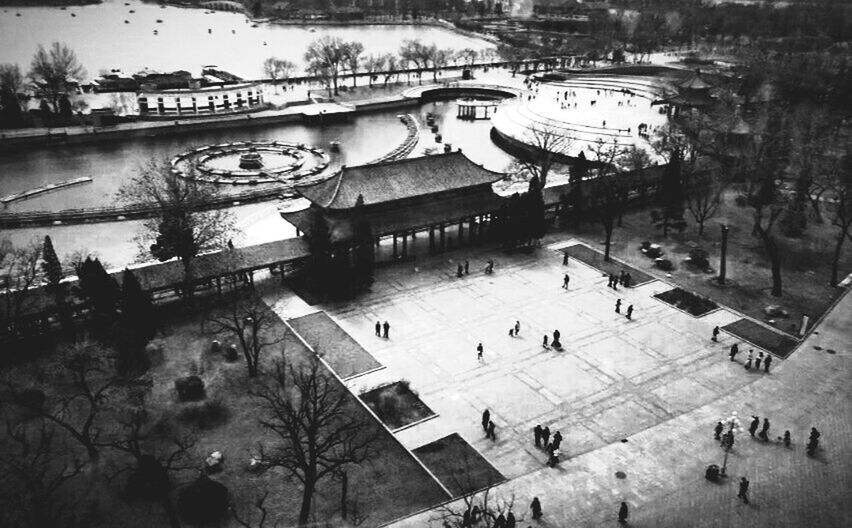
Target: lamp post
724 255
732 424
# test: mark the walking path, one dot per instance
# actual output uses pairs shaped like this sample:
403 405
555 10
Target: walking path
657 382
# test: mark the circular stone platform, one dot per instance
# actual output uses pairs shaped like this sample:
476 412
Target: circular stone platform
584 109
250 162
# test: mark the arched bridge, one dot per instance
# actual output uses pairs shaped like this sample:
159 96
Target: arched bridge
225 5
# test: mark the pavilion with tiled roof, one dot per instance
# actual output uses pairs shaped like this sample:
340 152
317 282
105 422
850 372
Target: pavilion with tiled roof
400 198
692 93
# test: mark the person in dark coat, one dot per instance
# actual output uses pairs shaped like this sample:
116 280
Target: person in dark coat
766 363
378 329
545 436
622 513
786 438
466 267
758 361
715 337
557 440
490 432
564 259
627 280
565 281
535 507
735 349
630 312
537 435
755 422
386 328
743 492
717 431
764 431
459 270
618 306
486 417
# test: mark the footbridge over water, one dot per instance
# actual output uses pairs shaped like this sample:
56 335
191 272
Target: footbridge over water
225 5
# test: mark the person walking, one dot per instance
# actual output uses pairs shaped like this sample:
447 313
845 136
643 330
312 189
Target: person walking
378 329
535 507
750 357
565 280
490 432
717 431
557 440
479 350
564 259
486 417
715 337
743 492
537 435
755 422
466 267
544 342
517 328
630 313
766 363
813 441
764 431
545 436
459 270
786 438
623 513
386 328
614 280
735 349
758 360
553 456
618 306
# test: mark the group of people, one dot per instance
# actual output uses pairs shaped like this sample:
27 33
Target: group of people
628 313
541 436
623 279
764 359
488 425
727 438
382 330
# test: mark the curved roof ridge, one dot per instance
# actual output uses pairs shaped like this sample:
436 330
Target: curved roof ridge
336 187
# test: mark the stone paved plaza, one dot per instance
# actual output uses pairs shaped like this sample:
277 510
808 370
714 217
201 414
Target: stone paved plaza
657 382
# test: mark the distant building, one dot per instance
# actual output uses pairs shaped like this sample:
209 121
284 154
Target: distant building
197 100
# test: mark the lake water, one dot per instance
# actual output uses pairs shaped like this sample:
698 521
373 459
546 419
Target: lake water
103 41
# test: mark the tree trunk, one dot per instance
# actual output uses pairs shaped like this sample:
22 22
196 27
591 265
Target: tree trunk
307 496
700 228
774 261
608 230
835 263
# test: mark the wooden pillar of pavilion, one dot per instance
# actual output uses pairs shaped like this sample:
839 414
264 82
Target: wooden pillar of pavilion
394 245
404 244
461 231
471 233
431 239
443 237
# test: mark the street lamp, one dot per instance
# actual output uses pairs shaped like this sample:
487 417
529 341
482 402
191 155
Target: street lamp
732 424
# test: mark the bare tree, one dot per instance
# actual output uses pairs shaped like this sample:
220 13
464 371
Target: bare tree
391 66
609 187
326 57
250 321
479 505
842 211
34 473
278 69
318 429
52 71
77 409
441 57
703 195
180 229
760 168
547 143
373 64
354 52
19 270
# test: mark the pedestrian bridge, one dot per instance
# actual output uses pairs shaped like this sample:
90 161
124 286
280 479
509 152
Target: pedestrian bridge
225 5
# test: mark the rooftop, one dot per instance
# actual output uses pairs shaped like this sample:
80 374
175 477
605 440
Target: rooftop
397 180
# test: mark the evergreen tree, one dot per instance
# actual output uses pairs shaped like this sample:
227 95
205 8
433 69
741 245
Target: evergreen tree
576 198
671 193
52 269
98 288
136 326
534 198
